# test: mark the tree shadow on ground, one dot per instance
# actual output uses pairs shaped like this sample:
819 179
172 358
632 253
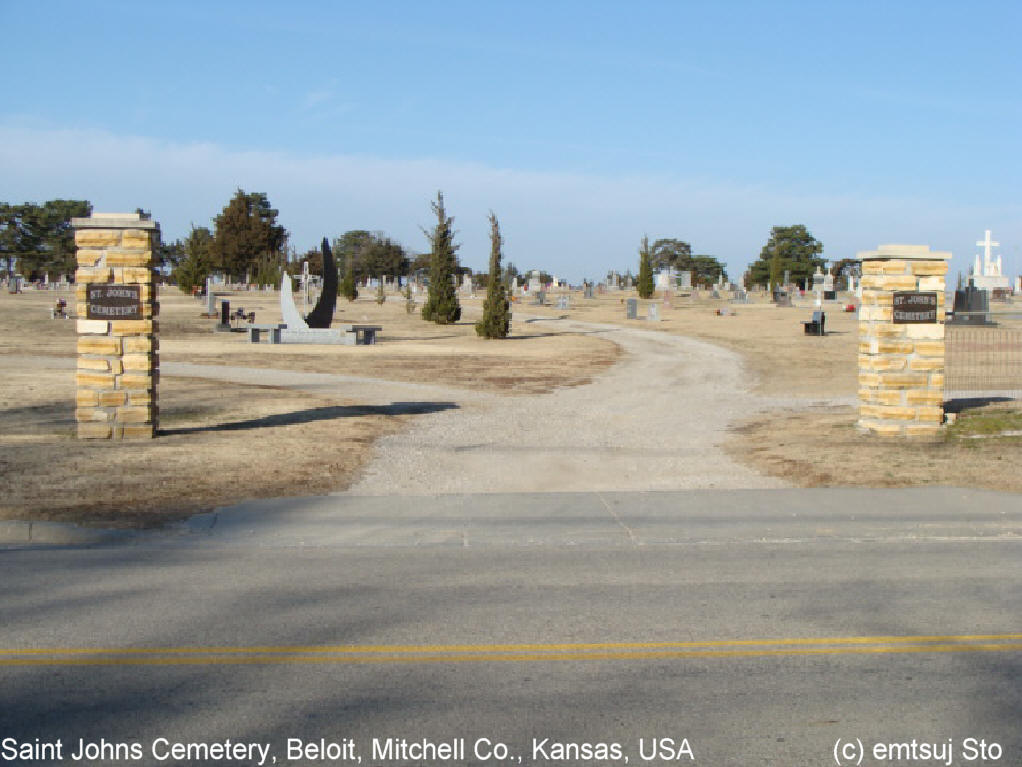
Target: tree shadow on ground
318 414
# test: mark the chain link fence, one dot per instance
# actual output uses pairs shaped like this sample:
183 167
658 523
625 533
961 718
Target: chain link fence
984 361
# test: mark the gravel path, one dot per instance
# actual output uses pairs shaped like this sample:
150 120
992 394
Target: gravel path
654 421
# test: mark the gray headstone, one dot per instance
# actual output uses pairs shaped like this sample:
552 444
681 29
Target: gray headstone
562 302
654 313
632 308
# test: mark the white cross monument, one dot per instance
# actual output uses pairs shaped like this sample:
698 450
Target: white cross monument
987 275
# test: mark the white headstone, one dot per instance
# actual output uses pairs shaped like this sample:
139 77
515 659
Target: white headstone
534 282
210 297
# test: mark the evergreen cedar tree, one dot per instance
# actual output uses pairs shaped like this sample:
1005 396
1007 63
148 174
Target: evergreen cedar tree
442 305
40 236
197 264
790 248
645 281
347 287
496 321
245 232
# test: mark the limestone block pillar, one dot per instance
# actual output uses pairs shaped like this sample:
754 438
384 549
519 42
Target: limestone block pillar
901 340
118 346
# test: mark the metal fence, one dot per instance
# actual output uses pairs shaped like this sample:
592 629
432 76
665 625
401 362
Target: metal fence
984 361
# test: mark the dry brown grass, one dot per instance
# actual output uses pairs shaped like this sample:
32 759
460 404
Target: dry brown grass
825 449
221 442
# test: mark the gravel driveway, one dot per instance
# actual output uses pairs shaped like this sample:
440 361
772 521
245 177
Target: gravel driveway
654 421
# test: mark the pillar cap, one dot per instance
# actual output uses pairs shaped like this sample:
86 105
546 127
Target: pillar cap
116 221
904 252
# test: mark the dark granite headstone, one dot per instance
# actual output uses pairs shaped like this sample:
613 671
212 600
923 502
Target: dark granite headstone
224 326
972 307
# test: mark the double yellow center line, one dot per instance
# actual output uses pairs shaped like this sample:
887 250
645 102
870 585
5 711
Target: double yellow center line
459 653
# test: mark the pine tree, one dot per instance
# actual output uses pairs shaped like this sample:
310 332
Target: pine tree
347 287
442 302
245 231
790 248
496 321
197 264
645 281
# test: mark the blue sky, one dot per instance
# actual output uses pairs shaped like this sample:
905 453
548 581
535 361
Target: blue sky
582 125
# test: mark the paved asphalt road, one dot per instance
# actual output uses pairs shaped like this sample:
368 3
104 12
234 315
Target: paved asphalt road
765 627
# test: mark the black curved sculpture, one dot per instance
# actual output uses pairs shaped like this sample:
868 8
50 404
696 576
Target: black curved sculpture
323 313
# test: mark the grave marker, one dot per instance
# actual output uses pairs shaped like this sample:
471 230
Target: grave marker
224 326
210 298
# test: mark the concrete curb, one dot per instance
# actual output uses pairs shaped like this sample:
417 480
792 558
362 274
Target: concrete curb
19 533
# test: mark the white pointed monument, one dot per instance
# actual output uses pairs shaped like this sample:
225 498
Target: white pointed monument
288 311
987 274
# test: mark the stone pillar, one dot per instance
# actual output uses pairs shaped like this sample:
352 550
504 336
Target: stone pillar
901 349
118 346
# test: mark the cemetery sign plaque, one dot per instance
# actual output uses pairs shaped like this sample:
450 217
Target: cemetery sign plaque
111 301
913 308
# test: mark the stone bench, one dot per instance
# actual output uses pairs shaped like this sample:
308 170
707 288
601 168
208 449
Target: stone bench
254 332
361 335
